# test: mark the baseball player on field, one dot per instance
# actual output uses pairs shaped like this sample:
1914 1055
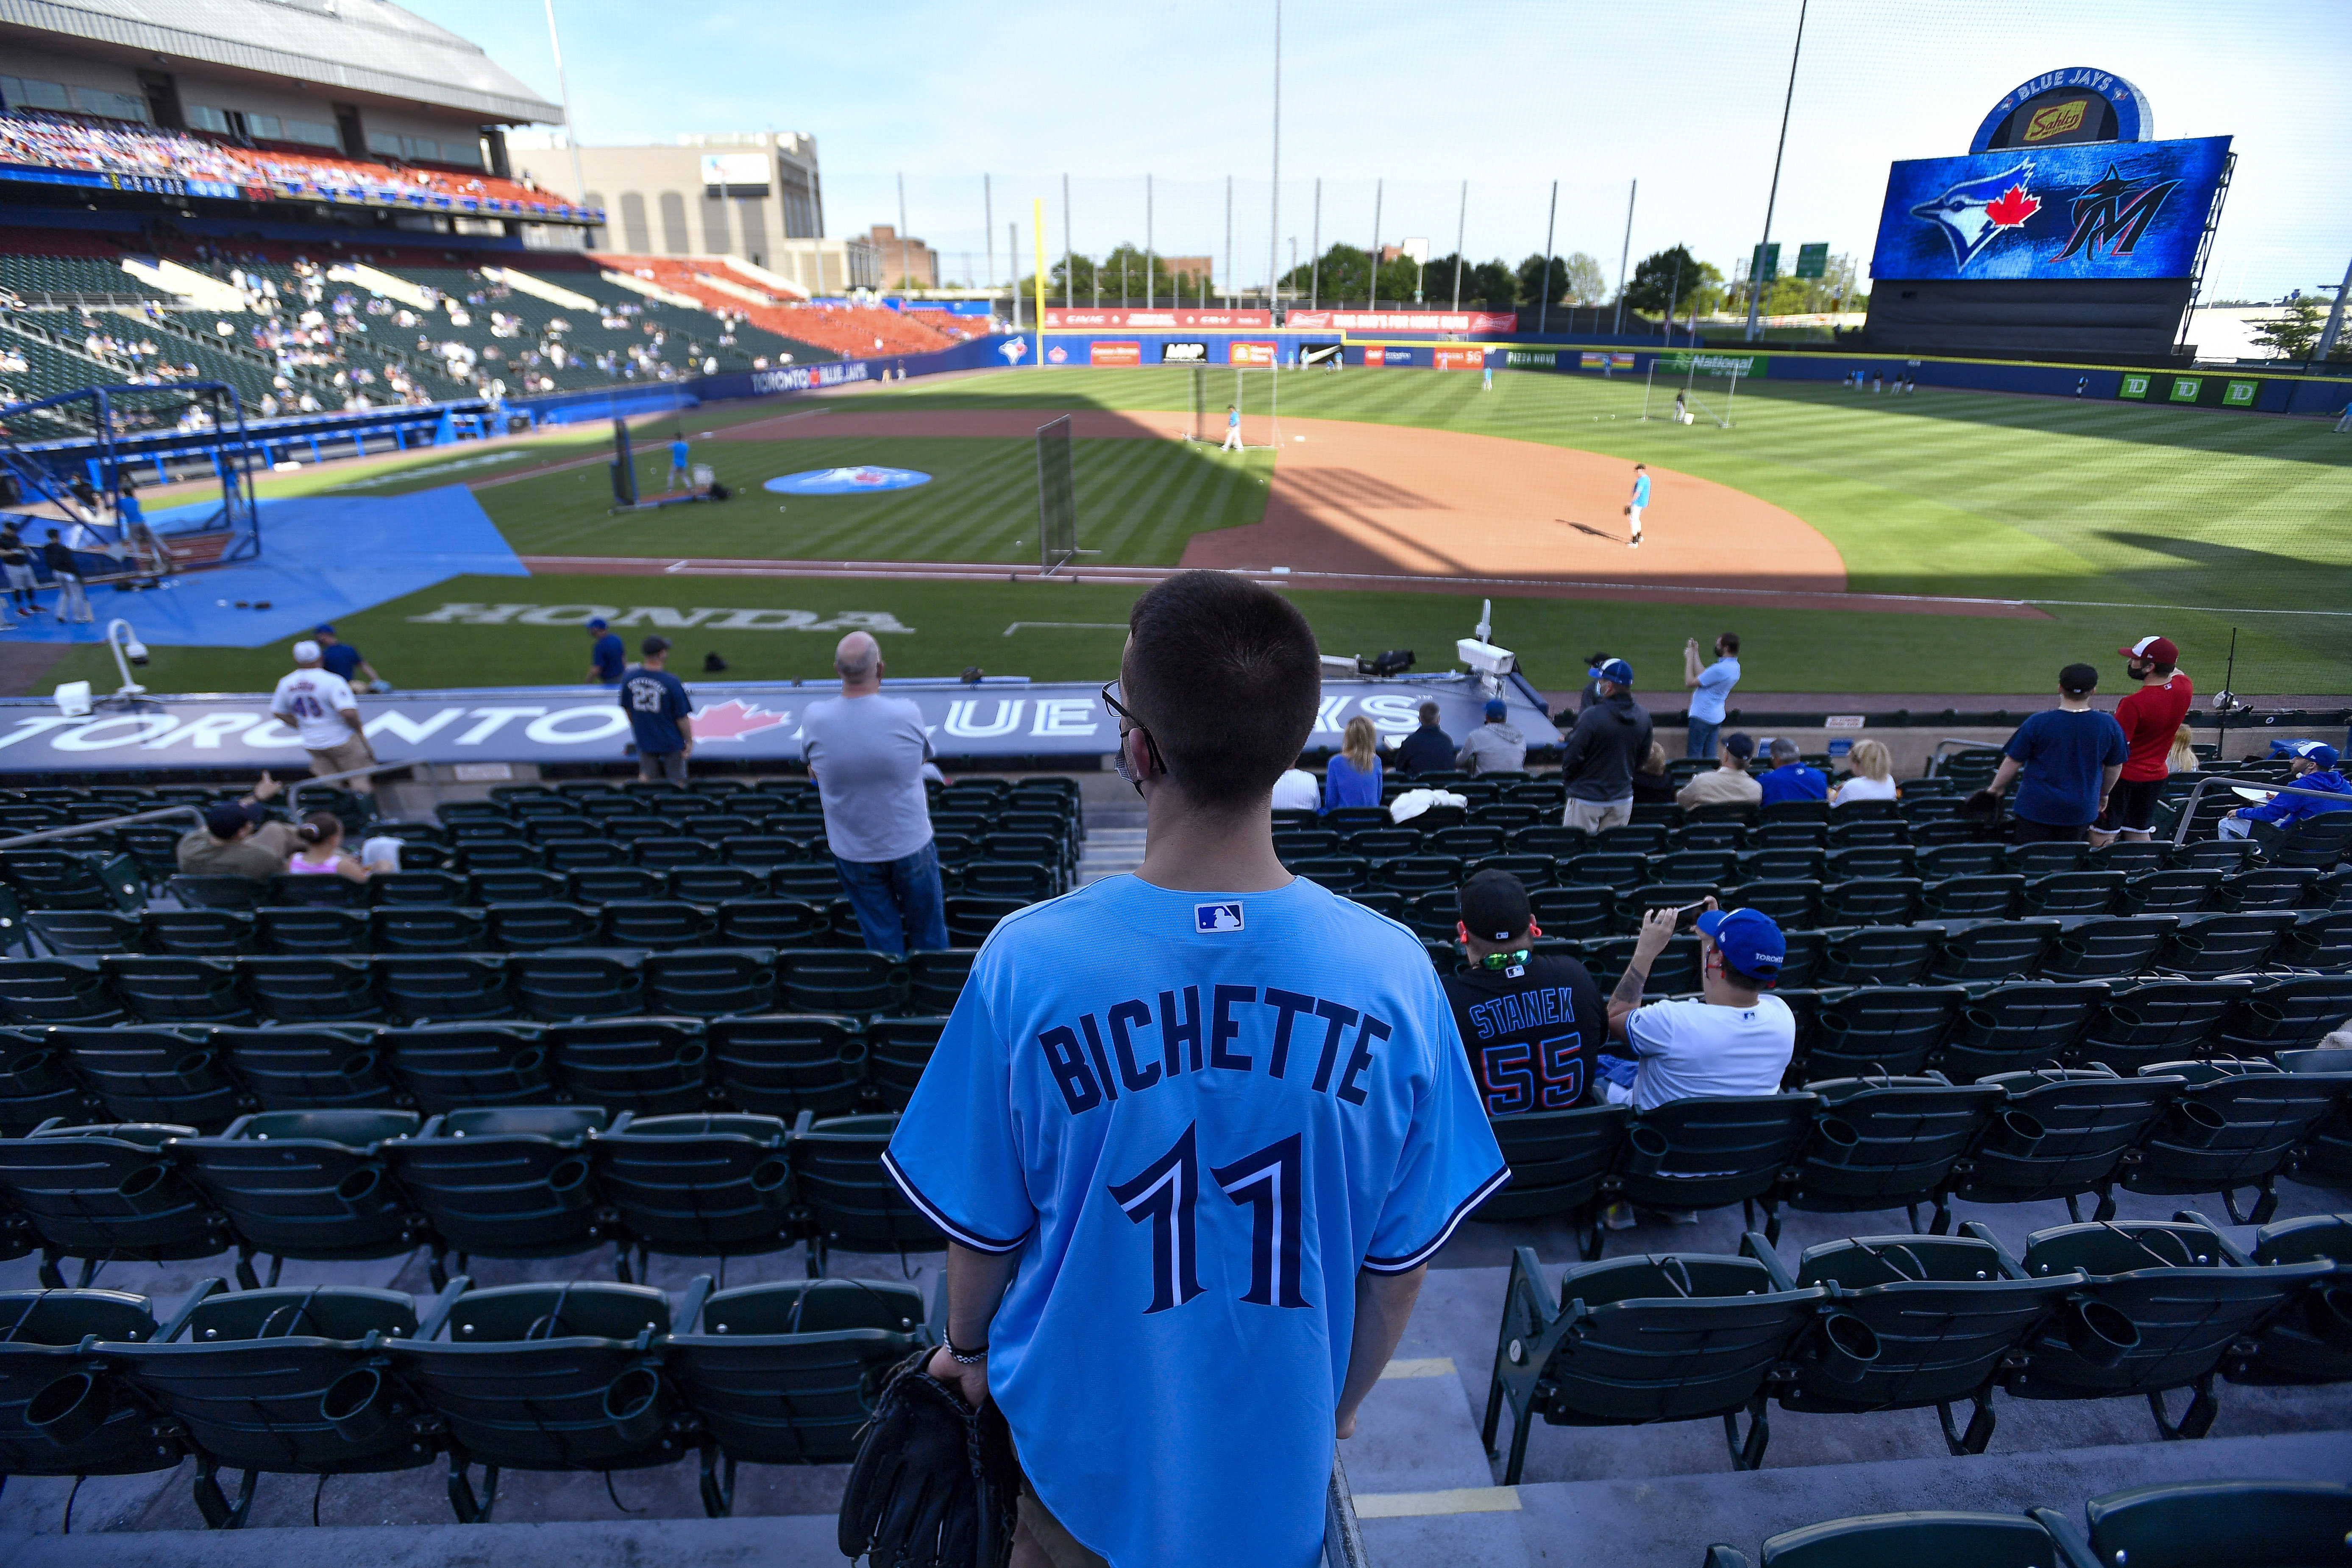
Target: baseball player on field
1640 500
1193 1134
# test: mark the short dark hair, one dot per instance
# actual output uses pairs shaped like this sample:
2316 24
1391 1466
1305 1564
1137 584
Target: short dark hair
1226 675
1429 713
652 646
1729 642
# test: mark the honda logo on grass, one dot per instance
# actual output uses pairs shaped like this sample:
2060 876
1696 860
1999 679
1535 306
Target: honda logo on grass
660 618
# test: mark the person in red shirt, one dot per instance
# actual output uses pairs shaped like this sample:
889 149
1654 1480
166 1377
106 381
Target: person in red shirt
2150 716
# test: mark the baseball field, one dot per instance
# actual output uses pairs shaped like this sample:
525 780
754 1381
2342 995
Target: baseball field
1937 542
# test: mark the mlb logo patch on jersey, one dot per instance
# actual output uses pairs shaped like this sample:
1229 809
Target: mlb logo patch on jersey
1217 917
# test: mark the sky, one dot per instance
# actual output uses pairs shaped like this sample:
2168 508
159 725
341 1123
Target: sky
1682 99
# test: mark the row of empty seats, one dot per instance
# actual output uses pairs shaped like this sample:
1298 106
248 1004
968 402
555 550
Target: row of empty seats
2106 1310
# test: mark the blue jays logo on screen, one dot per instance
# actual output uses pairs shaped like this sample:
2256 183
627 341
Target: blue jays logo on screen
860 480
1217 917
2098 211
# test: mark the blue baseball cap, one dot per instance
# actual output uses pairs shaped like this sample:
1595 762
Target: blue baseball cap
322 631
2322 756
596 624
1750 940
1614 670
1497 708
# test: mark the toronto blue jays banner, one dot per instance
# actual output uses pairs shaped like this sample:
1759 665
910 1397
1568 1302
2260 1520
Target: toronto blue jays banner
2092 212
1003 719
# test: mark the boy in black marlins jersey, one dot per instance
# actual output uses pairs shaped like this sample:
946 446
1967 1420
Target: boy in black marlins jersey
1533 1026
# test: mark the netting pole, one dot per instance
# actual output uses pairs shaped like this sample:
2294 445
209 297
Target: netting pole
1200 402
1729 399
1647 377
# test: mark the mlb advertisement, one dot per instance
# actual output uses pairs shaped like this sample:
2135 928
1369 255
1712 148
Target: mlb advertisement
2083 213
1099 353
1251 353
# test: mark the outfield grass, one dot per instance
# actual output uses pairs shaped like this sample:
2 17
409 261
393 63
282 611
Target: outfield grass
956 625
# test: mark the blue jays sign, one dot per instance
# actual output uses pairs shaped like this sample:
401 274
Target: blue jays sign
2092 212
2075 104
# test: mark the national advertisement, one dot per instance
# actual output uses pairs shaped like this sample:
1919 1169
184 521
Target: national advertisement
2088 212
1681 361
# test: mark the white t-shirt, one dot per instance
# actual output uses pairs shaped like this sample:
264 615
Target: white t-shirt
1298 790
1859 786
1691 1047
313 701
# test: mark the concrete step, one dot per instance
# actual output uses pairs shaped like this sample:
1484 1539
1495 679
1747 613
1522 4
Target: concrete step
1110 852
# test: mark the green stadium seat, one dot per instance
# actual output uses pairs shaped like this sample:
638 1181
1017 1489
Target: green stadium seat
2320 940
1872 901
445 1068
1991 952
107 1191
1711 1151
2187 1524
2013 1028
87 932
1560 1161
2168 892
2158 1020
37 992
388 890
1532 870
1794 902
179 990
602 884
784 1064
319 988
315 892
841 980
657 925
427 929
2285 1014
654 1067
200 933
300 930
1635 1341
2265 888
714 1185
815 879
2064 1133
307 1184
2235 1125
444 988
159 1075
851 1204
542 927
562 984
322 1067
1888 1142
715 885
38 1084
511 1182
898 1050
770 923
63 1408
515 885
1872 863
2107 948
2064 894
1921 1539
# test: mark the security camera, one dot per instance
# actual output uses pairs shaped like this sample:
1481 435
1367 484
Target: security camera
1484 657
135 652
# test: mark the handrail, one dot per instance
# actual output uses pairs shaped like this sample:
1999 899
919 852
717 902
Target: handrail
194 813
2188 811
1936 752
294 791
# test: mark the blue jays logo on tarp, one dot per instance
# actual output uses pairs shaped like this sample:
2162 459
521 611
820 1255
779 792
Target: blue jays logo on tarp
846 481
1973 212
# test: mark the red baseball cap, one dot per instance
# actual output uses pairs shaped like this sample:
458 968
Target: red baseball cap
2154 651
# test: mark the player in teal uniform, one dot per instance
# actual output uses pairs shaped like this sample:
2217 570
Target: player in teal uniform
1193 1134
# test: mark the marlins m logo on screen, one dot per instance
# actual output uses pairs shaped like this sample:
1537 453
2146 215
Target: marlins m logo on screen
2117 209
1974 213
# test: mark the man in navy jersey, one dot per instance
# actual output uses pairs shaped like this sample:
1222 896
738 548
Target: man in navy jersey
1193 1134
1533 1025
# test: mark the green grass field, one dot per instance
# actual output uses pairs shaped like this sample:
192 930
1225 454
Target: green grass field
2116 519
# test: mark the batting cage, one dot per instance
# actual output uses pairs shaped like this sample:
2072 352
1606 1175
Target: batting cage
1236 404
1685 386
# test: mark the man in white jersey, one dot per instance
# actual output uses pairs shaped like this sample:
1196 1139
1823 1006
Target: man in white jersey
317 703
1194 1134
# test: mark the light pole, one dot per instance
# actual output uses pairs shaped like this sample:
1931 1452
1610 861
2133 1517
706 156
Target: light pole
1274 215
1763 246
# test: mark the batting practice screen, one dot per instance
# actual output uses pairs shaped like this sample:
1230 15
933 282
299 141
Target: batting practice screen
1057 498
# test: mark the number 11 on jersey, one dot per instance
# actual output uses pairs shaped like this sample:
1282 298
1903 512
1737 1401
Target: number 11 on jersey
1166 1194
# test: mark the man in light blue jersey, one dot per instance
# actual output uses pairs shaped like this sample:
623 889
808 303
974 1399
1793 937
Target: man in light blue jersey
1194 1134
1634 508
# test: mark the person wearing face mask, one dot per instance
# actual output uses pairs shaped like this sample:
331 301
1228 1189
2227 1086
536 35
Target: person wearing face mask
2150 716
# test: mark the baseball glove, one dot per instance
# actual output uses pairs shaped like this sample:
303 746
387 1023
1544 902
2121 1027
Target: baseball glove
935 1484
1982 806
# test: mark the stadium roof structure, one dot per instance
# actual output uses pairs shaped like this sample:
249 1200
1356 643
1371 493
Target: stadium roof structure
358 46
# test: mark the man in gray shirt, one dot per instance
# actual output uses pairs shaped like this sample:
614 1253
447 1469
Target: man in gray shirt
1494 747
866 752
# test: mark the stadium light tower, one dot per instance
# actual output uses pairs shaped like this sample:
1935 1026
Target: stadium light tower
1763 246
1274 215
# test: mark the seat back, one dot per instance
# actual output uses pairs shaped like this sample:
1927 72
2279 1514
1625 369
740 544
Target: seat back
2207 945
1669 1337
444 988
464 1067
2286 1016
1886 1143
428 929
2112 948
2247 1121
842 981
198 932
784 1373
654 1067
1876 1029
898 1050
87 930
511 1183
1918 1539
936 980
1558 1159
575 983
307 1184
170 991
38 1083
1716 1149
542 927
300 930
2062 1132
323 1067
710 1185
109 1190
2012 1027
41 1333
851 1204
1882 956
783 1064
2194 1522
1997 949
155 1075
2158 1020
711 982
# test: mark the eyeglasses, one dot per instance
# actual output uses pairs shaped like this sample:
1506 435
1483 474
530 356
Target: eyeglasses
1127 720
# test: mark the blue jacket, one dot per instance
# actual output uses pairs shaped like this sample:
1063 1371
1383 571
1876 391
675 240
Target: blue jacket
2286 810
1794 782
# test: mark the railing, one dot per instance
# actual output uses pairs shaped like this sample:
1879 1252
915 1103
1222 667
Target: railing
2197 794
294 791
1343 1540
1936 754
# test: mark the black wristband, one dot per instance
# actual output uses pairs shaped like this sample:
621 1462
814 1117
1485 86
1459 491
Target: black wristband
967 1358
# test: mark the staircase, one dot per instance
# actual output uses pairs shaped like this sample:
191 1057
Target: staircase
1110 852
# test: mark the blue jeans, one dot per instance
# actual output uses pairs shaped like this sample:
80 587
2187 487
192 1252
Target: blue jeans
900 906
1702 737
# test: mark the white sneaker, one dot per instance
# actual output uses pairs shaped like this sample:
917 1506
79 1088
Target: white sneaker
1633 544
1618 1216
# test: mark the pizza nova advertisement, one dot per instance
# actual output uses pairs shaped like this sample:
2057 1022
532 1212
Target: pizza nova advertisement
731 719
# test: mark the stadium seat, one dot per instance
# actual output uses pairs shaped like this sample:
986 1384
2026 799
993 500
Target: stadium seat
426 929
1558 1161
1781 862
1303 843
897 1051
704 1185
715 885
783 1064
2207 945
506 1183
970 919
1875 1030
1342 874
317 989
387 889
1991 951
2034 861
2308 1343
816 880
1670 1337
63 1408
546 1377
2187 1524
558 984
1943 860
711 982
1888 1142
1994 897
2285 1014
524 885
1011 880
542 927
1795 902
2166 1306
2063 1132
1713 1150
154 1075
300 930
2062 894
669 853
2326 1159
2322 941
46 879
2224 854
1674 973
1876 955
89 932
200 933
106 1191
1919 1539
308 1184
2107 947
2168 892
444 987
1623 872
770 923
1551 840
2010 1028
217 892
179 990
2265 888
2318 843
2158 1020
837 981
1636 837
654 1067
2235 1124
1533 871
35 991
504 855
1946 1312
289 892
935 980
781 1373
656 924
1872 901
445 1068
327 1068
602 884
851 1204
1574 909
1870 864
1411 874
38 1084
